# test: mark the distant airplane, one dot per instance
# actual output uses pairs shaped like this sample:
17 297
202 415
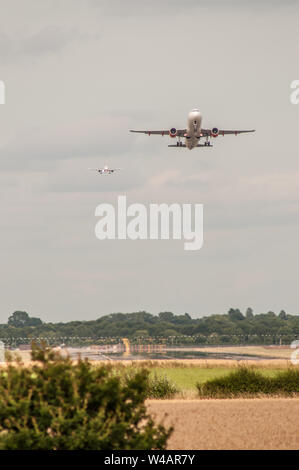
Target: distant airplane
193 133
105 170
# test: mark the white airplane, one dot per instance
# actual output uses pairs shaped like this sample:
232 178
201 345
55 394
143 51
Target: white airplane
193 133
105 170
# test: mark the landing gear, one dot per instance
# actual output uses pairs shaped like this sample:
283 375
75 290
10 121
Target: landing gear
179 143
207 142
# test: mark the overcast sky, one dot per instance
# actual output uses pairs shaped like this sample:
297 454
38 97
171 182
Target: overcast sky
78 75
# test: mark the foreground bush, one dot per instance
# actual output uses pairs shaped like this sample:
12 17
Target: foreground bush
56 404
248 382
157 386
160 387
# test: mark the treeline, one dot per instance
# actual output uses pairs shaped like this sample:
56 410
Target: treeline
231 328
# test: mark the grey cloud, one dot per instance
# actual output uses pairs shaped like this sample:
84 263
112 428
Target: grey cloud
133 8
154 61
268 200
48 40
39 147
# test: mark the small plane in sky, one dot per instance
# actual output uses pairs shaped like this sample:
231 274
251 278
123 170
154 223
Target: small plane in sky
193 133
105 170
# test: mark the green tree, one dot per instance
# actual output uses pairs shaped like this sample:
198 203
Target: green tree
166 316
249 313
171 332
121 325
235 314
282 315
141 333
19 319
58 405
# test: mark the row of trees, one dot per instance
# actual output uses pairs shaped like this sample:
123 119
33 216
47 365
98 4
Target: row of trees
243 327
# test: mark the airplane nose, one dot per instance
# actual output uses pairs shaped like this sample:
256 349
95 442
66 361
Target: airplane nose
196 115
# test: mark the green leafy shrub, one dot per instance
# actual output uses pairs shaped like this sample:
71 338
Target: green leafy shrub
59 405
287 381
160 387
249 382
157 386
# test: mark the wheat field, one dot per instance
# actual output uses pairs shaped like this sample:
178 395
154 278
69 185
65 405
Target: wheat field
239 424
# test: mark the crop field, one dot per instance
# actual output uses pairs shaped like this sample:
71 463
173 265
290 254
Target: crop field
239 424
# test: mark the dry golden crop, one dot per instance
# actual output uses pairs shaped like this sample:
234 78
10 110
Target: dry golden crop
267 423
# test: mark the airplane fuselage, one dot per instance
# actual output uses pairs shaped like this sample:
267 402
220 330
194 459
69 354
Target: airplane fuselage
105 171
192 135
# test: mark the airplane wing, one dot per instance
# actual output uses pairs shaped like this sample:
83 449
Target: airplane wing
179 132
96 169
209 132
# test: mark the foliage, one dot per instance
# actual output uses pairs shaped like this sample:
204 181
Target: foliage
58 405
250 382
160 387
231 328
282 315
249 313
20 319
235 314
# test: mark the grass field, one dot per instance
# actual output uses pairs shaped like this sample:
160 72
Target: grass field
185 378
186 374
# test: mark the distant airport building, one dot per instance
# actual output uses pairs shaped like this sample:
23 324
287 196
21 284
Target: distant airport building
24 347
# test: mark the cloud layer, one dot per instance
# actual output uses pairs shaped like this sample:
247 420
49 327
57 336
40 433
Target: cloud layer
78 76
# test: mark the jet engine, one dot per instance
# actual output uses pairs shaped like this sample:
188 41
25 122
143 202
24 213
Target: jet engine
173 132
215 132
